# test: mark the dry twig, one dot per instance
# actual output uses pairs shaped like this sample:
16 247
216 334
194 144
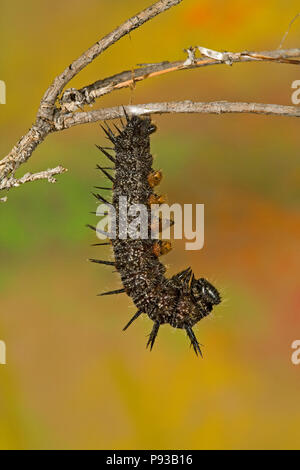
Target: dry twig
288 30
48 175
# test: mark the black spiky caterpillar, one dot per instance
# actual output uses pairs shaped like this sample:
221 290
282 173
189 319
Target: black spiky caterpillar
181 300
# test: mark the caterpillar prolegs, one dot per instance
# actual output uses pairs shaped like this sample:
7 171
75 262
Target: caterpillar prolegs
182 300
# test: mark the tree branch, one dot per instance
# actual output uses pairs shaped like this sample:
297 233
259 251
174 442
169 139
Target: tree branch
73 99
215 107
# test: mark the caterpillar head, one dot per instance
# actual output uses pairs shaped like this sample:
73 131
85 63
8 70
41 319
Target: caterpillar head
196 298
202 290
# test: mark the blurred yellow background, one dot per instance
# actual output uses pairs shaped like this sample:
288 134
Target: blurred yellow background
73 379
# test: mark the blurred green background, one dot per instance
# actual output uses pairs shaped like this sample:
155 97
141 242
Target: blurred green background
73 379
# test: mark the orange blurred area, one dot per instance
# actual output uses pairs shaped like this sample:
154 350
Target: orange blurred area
73 379
222 15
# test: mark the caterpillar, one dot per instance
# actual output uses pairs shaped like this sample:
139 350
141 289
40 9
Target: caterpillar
180 301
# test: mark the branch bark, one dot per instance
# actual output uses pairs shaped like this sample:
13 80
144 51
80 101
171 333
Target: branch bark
215 107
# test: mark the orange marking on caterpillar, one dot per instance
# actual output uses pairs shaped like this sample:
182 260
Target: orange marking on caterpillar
155 199
156 249
155 178
165 247
161 247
